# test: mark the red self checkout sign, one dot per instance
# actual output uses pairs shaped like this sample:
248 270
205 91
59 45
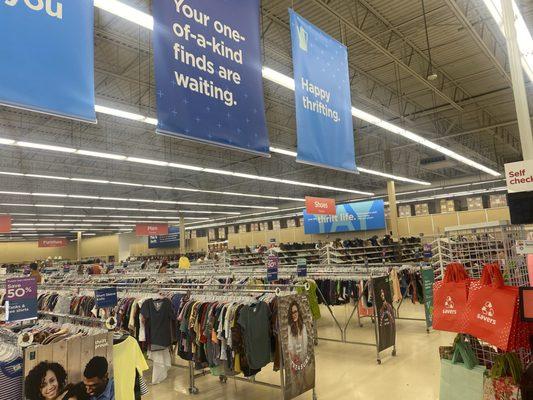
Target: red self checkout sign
318 205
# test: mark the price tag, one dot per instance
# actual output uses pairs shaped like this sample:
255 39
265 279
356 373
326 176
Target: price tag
301 267
21 299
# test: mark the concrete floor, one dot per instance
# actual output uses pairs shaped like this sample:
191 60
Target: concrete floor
344 371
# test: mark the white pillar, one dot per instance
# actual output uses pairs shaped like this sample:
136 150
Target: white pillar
393 210
517 77
78 244
183 249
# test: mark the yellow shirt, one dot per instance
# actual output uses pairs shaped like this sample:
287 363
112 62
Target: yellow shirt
127 357
184 263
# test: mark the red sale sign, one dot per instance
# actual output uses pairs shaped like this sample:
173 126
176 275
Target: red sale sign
5 223
318 205
151 229
53 242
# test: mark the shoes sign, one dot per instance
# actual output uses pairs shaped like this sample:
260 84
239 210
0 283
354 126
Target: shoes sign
519 176
318 205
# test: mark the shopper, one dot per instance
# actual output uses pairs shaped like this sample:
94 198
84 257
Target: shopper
34 272
163 268
96 380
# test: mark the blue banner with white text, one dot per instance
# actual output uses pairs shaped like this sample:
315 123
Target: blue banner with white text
47 57
322 95
162 241
209 74
351 217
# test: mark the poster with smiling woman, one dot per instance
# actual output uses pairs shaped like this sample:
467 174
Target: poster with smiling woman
77 368
296 336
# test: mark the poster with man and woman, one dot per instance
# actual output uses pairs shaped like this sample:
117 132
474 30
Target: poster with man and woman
75 369
297 345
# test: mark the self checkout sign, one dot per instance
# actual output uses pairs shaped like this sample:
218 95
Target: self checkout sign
21 299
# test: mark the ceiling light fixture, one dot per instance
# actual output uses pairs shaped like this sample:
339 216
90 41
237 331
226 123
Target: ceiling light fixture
200 169
138 200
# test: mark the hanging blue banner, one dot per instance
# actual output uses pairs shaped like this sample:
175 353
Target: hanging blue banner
170 240
106 297
323 102
208 72
47 57
351 217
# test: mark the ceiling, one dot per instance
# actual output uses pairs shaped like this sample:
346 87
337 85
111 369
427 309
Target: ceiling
469 108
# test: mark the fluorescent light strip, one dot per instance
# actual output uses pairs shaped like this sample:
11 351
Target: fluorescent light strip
118 208
100 181
523 36
146 20
79 196
182 166
361 169
456 194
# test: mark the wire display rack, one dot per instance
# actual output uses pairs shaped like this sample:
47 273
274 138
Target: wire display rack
494 242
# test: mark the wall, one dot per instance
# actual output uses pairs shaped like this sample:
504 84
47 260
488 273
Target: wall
19 252
121 246
100 246
434 224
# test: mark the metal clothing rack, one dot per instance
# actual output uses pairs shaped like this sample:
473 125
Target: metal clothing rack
223 379
218 288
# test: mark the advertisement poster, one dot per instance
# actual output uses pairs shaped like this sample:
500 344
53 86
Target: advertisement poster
105 297
360 216
385 311
47 53
77 368
428 278
21 299
297 344
162 241
272 268
208 70
322 97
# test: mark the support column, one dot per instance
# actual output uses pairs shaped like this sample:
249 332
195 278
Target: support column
393 210
78 246
183 248
517 77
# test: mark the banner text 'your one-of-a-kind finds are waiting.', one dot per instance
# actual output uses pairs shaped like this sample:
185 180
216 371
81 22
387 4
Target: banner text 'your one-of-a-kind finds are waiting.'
202 63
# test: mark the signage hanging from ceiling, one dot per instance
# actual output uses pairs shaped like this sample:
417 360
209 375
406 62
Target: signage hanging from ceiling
163 241
47 53
5 223
351 217
519 177
322 96
209 74
53 242
318 205
151 229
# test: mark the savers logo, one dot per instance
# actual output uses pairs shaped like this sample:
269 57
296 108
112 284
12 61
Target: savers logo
487 313
449 306
38 5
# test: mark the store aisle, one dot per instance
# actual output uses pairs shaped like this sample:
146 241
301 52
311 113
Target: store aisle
344 371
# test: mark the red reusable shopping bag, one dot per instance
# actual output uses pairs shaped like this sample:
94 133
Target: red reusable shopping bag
449 299
491 310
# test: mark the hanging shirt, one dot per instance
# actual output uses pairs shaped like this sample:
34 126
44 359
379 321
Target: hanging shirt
11 379
255 324
161 319
127 358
